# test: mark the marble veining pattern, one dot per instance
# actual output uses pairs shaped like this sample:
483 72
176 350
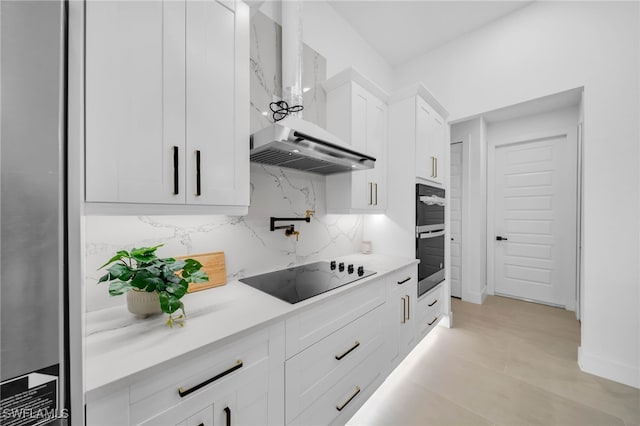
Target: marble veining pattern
250 248
266 75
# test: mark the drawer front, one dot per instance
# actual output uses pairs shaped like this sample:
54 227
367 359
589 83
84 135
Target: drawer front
430 309
246 397
427 324
404 277
342 400
316 369
196 376
430 305
312 325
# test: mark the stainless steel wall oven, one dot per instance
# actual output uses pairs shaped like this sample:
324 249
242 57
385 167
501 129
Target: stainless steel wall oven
430 205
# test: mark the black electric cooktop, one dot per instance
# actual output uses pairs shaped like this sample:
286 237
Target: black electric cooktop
298 283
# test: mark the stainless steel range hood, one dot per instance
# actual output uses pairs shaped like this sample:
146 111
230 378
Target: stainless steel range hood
298 144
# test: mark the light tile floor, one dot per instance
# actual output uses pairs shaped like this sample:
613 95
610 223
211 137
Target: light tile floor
505 362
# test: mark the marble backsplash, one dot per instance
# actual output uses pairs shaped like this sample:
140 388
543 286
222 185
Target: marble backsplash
250 248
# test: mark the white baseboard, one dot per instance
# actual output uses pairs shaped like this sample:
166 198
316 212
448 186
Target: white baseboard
477 297
626 374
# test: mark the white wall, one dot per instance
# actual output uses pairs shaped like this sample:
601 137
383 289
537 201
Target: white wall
545 48
327 32
474 208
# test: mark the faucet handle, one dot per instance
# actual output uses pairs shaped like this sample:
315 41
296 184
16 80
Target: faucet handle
310 213
296 233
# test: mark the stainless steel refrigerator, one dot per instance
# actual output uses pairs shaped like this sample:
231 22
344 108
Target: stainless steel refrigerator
33 275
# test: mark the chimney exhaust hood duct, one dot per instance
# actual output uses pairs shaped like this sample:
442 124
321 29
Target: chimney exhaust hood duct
292 142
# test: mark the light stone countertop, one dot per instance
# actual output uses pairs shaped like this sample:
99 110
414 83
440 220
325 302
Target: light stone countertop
120 348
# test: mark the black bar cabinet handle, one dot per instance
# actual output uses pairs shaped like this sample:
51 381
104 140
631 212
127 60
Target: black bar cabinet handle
501 238
227 412
341 407
184 392
434 320
404 281
176 189
198 178
433 303
339 357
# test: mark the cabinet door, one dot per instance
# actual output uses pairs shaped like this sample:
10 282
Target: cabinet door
365 116
201 418
425 137
438 149
361 185
407 331
401 314
377 146
217 104
135 101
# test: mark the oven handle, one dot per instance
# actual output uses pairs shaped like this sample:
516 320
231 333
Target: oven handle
431 200
430 235
429 228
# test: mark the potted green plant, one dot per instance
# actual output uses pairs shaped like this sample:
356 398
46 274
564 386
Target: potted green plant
152 284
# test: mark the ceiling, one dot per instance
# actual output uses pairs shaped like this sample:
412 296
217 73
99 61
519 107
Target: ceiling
402 30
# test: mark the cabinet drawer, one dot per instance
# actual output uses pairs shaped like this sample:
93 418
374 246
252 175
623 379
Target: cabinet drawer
196 376
430 305
243 401
316 369
430 309
314 324
340 402
404 277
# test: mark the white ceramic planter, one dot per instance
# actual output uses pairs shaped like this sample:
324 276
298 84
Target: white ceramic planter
142 303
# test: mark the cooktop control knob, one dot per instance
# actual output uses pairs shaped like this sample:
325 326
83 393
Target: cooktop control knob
333 265
341 266
350 269
360 271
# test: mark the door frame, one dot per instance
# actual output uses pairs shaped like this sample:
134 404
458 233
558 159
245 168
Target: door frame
464 212
571 134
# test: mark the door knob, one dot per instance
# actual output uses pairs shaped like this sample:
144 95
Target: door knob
501 238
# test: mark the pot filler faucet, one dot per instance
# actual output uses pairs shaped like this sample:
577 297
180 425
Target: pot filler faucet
290 230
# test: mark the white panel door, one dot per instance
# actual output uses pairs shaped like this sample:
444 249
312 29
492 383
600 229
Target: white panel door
210 101
535 210
135 101
456 220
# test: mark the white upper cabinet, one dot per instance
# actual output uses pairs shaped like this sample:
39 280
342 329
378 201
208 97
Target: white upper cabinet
167 103
430 143
419 125
357 113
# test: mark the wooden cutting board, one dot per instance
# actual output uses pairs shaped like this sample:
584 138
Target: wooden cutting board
214 265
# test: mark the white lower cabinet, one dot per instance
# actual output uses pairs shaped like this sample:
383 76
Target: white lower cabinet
317 367
401 314
234 384
315 371
430 309
340 402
